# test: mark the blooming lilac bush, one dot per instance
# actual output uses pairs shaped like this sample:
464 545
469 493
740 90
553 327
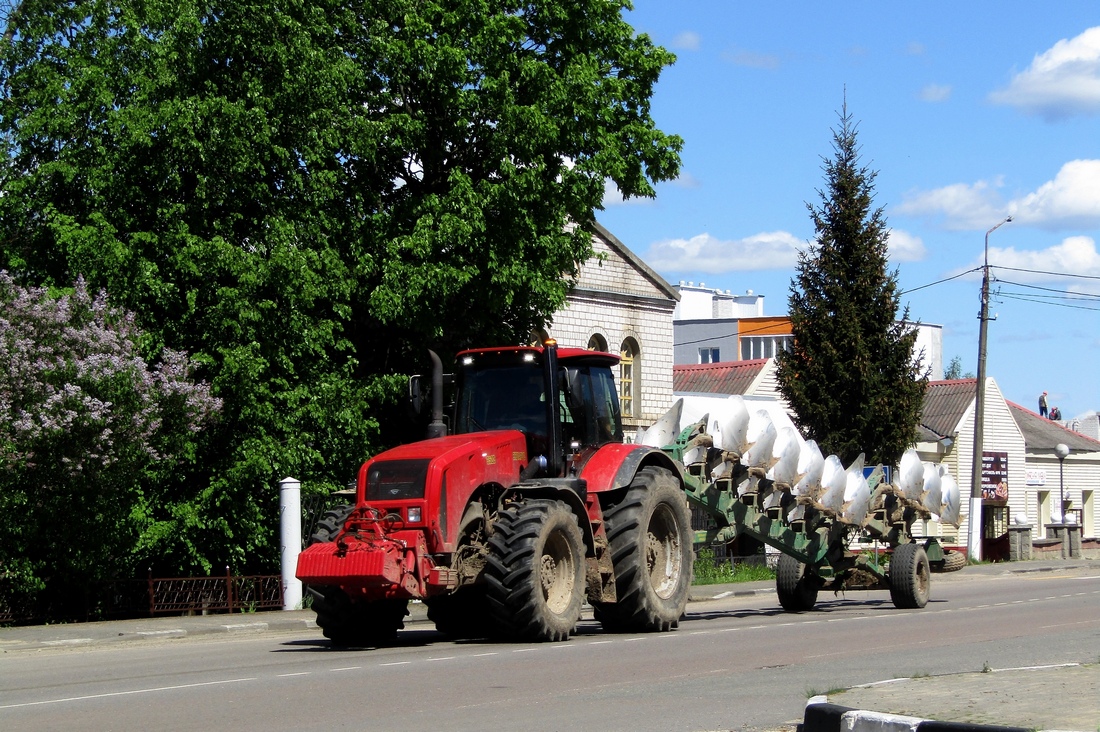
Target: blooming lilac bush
88 432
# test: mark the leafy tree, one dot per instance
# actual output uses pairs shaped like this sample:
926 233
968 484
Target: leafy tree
851 378
303 194
86 427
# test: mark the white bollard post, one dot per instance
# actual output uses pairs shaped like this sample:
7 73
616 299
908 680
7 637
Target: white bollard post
290 534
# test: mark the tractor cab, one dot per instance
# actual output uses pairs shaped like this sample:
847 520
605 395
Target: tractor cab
562 400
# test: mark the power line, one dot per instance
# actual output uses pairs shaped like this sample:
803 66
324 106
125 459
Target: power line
940 282
1053 274
1040 301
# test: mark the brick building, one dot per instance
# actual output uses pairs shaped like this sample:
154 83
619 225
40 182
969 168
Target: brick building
621 306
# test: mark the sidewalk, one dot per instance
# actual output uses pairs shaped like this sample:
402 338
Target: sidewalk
1062 698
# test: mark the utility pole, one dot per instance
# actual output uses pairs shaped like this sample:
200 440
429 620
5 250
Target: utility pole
974 543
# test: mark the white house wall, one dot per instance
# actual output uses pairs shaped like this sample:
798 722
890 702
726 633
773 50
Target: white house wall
614 299
1001 434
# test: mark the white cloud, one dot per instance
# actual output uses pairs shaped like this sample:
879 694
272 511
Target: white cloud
1063 265
1071 200
686 180
1076 255
1062 81
751 59
707 254
960 205
686 41
914 48
935 93
905 247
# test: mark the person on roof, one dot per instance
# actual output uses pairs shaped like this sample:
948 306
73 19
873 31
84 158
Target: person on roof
1043 404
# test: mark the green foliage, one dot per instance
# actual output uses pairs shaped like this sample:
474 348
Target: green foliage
710 571
851 377
305 195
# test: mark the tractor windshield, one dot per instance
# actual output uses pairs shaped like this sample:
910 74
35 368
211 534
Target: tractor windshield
504 397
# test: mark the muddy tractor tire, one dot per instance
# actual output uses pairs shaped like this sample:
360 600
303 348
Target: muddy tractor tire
651 551
535 574
342 621
910 583
795 584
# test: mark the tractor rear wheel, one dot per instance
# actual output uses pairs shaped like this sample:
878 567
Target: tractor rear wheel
651 551
343 622
795 584
535 571
910 584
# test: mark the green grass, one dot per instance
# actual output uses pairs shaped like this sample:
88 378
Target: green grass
712 571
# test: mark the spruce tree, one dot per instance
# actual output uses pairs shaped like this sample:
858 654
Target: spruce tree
852 377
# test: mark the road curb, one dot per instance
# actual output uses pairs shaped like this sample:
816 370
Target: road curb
823 716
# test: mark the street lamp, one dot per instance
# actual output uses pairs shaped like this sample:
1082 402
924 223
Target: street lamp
974 545
1062 451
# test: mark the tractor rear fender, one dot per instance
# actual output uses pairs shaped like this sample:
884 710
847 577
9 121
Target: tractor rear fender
614 466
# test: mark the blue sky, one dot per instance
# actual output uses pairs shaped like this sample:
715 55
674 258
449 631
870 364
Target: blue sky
969 111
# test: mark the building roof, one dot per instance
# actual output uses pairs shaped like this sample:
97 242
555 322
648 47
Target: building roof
1041 433
945 403
729 377
644 269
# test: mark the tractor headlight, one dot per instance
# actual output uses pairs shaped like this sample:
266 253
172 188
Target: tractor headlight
414 515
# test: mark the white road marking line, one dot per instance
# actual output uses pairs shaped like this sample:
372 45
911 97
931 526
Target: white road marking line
108 695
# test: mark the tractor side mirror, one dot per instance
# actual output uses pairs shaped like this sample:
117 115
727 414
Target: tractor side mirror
416 395
569 385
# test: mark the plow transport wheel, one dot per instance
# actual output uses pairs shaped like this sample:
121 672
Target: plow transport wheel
910 583
535 571
651 550
795 585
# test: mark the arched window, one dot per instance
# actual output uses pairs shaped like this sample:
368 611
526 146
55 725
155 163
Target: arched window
629 378
597 343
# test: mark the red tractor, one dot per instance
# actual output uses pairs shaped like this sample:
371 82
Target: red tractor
505 527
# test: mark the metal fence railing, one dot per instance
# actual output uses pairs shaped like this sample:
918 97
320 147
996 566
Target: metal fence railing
226 594
166 595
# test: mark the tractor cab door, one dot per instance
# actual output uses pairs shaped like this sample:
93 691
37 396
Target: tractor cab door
589 408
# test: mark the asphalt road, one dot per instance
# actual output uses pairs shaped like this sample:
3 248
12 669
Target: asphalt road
735 663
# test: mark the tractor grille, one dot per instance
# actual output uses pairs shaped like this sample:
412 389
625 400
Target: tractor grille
395 480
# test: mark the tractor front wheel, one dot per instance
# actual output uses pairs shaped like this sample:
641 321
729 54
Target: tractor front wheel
535 571
347 623
361 623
